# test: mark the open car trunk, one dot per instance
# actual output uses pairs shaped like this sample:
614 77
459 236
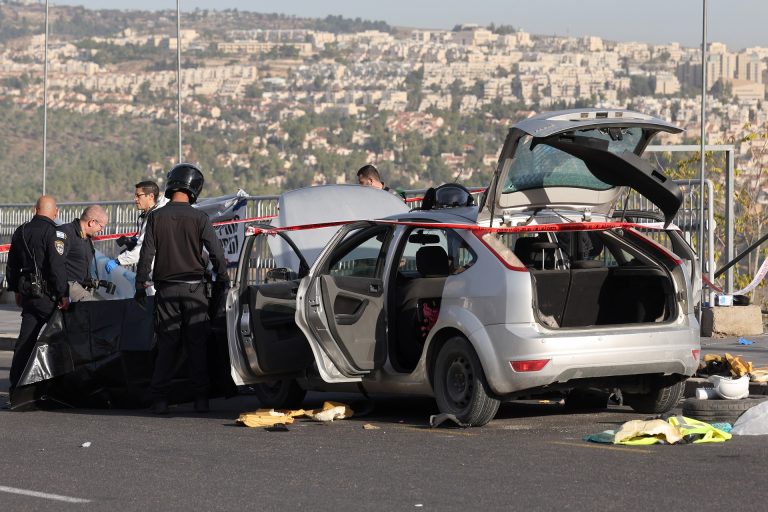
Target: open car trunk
595 278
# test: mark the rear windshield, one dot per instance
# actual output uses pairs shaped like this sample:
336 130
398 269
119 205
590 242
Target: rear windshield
545 166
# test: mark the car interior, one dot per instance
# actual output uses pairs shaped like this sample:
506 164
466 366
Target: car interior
428 257
594 278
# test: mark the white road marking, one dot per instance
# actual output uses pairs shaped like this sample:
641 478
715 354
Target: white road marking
45 495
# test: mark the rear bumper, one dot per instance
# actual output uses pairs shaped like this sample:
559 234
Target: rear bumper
585 354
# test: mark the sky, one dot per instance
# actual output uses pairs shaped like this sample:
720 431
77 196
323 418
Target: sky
738 23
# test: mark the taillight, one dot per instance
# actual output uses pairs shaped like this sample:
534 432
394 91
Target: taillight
530 365
696 352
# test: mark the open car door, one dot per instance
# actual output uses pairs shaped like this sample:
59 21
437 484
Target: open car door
342 308
264 340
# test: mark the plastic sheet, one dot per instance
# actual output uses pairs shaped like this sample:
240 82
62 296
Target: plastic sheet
754 421
100 354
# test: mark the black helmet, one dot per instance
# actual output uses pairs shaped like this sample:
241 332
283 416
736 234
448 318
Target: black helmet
187 178
448 195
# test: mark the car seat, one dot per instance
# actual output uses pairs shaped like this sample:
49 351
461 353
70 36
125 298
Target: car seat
419 304
536 251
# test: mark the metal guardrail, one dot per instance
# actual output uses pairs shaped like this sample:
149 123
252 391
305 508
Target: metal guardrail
123 216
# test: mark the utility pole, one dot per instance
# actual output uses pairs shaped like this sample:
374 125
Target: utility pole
178 74
45 96
703 131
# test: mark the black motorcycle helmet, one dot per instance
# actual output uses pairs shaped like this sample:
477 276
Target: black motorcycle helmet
185 177
448 195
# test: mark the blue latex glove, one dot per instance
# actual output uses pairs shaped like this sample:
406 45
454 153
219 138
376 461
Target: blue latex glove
110 266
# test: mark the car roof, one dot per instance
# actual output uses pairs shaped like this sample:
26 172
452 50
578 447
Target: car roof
331 203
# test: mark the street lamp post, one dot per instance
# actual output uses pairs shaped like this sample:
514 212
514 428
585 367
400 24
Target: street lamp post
45 95
178 74
703 130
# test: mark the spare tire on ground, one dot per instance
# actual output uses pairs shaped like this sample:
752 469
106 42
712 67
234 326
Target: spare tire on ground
715 410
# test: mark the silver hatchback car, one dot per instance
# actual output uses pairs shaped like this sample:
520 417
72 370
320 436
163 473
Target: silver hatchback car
542 289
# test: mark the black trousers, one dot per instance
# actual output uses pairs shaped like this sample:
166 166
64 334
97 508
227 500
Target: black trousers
35 313
181 316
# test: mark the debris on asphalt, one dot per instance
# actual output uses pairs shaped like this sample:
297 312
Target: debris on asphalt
270 417
730 388
706 393
716 364
437 419
369 426
86 444
264 418
331 411
647 432
743 341
277 427
675 430
759 375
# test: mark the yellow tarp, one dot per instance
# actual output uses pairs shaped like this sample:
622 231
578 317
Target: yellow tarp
639 432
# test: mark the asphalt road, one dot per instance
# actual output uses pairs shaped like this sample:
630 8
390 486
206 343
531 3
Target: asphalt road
531 457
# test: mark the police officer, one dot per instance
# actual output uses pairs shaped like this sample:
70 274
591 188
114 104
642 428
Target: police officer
175 238
37 273
147 199
80 253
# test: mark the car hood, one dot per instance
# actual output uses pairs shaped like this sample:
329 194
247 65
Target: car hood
580 160
331 203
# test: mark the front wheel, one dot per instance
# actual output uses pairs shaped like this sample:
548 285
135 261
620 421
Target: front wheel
459 384
280 394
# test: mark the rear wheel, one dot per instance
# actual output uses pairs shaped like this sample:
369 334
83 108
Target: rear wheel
280 394
459 384
658 400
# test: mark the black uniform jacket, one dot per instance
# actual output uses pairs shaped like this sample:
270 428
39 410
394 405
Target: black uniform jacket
79 252
175 237
47 244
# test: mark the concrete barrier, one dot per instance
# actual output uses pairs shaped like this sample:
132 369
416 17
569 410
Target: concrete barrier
719 322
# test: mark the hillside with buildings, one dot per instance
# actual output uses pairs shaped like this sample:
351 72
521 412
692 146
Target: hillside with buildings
273 101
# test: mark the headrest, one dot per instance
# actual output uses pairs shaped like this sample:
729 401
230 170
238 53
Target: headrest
432 261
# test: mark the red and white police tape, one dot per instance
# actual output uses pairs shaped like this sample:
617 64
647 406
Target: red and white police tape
479 230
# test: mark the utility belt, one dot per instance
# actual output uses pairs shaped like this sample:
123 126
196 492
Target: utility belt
33 285
92 284
166 283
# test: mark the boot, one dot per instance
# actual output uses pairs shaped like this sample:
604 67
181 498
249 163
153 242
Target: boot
160 407
201 405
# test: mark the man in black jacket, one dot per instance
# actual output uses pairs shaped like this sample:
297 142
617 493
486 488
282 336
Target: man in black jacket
175 238
37 273
80 253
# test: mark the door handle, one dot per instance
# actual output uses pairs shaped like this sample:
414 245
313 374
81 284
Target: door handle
373 288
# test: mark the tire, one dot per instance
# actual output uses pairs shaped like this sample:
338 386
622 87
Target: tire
459 384
659 400
280 394
586 400
715 410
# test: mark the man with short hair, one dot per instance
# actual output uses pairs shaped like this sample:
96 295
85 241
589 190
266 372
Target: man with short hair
37 273
147 199
368 176
80 253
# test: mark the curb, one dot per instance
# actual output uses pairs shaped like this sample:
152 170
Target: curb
755 388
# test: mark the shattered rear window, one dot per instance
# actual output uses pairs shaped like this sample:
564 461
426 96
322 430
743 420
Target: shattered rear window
545 166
